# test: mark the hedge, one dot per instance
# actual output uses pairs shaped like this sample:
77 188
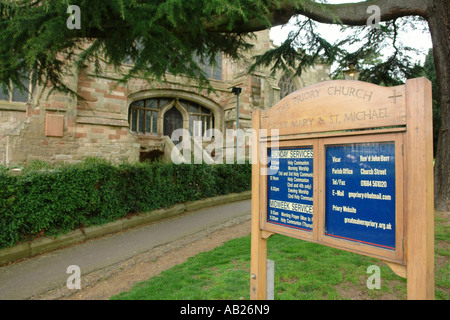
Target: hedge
56 201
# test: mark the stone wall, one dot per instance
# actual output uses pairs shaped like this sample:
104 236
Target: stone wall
12 118
61 128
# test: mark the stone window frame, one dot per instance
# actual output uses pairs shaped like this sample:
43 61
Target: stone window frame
145 110
199 113
12 90
190 117
173 94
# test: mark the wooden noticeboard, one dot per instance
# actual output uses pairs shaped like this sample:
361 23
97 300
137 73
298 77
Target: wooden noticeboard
348 164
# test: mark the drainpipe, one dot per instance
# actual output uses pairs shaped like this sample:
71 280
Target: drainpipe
237 91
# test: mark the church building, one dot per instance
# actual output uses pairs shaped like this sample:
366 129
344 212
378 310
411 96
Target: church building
135 122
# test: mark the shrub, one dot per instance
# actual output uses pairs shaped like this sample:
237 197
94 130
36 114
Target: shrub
48 200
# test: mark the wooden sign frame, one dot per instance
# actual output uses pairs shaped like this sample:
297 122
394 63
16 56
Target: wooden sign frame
349 113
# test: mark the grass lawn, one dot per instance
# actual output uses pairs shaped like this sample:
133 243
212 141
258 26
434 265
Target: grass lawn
303 271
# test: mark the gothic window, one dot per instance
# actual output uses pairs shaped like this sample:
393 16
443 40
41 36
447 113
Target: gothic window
173 120
201 119
287 86
143 115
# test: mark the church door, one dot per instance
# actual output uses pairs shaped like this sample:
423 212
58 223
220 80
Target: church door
172 120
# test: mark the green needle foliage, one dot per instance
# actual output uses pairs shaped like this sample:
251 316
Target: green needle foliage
362 46
157 36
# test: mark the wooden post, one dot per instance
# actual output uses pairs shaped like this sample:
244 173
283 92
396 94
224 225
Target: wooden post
419 190
258 270
270 282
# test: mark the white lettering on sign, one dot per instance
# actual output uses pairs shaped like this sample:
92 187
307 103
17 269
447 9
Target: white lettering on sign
283 154
291 206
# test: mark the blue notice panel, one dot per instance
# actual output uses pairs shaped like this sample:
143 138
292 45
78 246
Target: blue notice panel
290 188
360 193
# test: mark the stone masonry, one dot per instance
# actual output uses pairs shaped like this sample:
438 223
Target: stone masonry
59 127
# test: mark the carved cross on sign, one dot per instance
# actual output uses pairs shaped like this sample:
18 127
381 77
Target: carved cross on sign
395 96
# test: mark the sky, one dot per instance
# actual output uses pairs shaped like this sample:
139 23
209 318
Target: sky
414 38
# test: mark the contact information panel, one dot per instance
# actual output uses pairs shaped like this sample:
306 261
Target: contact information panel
360 193
290 188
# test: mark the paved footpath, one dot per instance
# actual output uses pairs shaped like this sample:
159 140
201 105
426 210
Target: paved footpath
45 272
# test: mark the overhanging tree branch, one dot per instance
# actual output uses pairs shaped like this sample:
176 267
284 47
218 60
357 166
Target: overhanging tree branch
352 14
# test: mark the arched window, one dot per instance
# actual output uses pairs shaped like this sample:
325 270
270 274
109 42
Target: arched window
143 115
201 119
287 86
